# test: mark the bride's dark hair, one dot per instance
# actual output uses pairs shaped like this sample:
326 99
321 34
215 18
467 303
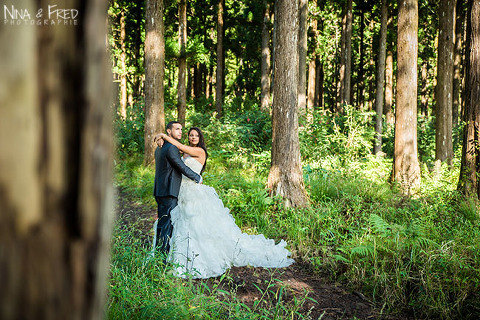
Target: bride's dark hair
201 144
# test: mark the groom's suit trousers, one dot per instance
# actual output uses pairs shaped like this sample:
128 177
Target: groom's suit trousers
164 226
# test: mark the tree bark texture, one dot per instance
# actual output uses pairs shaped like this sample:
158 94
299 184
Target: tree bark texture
406 166
444 89
286 177
265 63
123 62
346 57
302 58
154 76
424 93
457 63
220 60
470 168
381 77
387 110
182 62
360 74
55 183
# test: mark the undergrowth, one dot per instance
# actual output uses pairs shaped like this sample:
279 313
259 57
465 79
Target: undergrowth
419 256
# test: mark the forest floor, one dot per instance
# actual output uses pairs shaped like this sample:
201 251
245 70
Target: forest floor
330 300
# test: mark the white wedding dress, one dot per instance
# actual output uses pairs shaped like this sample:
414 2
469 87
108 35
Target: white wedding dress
206 241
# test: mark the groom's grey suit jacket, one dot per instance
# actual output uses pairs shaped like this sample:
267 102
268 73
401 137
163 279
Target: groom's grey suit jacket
169 168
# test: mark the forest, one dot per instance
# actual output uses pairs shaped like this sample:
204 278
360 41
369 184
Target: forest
348 128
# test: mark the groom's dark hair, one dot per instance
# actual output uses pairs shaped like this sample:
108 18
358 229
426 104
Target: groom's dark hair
170 124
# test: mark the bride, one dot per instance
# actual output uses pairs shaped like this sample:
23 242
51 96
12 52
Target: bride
206 241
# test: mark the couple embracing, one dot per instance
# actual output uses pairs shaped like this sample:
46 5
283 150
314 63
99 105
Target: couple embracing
194 230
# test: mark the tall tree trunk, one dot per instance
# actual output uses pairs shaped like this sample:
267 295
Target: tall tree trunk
346 57
182 62
198 76
387 110
266 68
220 60
302 59
360 81
56 195
444 88
312 65
154 76
381 77
406 167
341 68
209 86
423 90
123 64
469 182
319 79
274 45
457 62
286 177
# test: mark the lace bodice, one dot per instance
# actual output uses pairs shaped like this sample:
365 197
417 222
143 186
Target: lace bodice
193 164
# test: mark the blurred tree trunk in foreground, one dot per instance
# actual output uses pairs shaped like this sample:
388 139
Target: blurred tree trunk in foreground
56 166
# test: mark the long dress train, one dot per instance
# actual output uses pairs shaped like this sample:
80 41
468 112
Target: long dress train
206 241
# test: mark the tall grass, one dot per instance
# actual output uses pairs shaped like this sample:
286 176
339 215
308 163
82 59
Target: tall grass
144 288
416 255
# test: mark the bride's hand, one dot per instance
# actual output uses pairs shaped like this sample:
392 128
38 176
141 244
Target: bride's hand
159 139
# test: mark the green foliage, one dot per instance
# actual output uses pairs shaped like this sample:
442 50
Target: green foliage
130 132
418 256
347 135
236 134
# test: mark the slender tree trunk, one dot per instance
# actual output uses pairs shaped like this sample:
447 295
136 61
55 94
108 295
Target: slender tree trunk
319 71
424 92
341 70
123 64
457 63
312 65
469 182
302 58
369 82
266 68
444 89
389 117
360 81
346 57
56 195
319 80
209 87
198 77
154 76
381 77
274 45
220 60
286 177
182 62
406 166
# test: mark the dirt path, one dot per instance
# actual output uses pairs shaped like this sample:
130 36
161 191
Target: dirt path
331 301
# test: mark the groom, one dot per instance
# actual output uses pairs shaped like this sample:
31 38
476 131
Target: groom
169 168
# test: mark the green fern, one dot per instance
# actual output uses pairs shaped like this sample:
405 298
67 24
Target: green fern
379 225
